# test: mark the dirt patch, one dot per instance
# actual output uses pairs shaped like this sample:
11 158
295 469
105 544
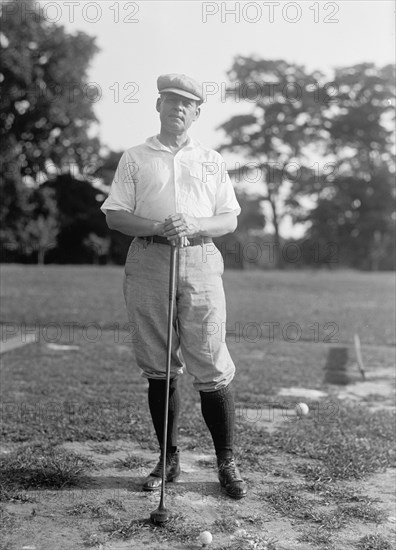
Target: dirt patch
377 391
90 516
51 520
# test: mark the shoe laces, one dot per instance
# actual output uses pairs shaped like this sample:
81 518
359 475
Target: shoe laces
228 466
171 458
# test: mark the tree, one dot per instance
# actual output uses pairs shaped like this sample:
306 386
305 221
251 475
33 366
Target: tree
354 205
355 215
79 216
99 246
298 119
45 108
285 117
119 243
42 228
250 221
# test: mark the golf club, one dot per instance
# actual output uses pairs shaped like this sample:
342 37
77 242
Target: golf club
160 515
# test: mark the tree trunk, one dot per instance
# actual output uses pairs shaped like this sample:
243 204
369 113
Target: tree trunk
41 256
275 222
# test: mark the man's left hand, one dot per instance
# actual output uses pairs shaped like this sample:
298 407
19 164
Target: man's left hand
181 225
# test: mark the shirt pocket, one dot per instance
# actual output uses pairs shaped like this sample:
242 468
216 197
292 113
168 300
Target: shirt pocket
205 172
199 189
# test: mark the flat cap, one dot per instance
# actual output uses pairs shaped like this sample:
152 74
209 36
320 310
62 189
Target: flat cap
180 84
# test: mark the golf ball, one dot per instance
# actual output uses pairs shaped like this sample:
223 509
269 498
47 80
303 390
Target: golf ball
205 538
302 409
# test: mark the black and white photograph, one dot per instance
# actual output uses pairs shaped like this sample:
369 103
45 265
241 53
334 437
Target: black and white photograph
197 275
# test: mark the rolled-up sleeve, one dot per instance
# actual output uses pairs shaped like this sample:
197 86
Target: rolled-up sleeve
122 194
226 200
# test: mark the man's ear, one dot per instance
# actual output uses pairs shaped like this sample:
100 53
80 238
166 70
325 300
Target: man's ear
157 105
197 113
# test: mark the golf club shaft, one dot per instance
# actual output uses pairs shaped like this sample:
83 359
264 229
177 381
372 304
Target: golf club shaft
172 288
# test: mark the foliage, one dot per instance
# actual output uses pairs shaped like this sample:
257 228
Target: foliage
100 246
46 108
42 229
79 216
297 118
45 113
285 115
355 199
357 215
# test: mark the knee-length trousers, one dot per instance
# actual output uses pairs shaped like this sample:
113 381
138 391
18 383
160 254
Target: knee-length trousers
199 321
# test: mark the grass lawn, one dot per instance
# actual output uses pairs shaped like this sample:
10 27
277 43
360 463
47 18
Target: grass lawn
308 474
327 306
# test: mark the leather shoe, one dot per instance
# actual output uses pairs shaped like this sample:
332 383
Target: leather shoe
230 478
154 481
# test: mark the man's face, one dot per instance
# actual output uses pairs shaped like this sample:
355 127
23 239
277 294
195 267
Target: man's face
177 112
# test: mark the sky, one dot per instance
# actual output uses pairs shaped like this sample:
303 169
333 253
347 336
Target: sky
138 41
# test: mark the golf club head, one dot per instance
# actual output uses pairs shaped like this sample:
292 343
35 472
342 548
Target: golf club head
159 516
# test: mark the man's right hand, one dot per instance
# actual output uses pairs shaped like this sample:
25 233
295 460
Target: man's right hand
181 242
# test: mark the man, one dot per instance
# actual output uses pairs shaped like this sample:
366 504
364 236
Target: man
172 191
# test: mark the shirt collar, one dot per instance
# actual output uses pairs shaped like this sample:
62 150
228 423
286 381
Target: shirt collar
154 143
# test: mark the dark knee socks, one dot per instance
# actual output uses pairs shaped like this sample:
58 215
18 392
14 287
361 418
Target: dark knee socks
156 399
218 410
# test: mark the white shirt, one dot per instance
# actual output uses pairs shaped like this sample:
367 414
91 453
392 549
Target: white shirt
153 182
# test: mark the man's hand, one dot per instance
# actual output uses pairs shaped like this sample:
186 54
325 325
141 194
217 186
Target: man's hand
181 225
179 241
178 227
